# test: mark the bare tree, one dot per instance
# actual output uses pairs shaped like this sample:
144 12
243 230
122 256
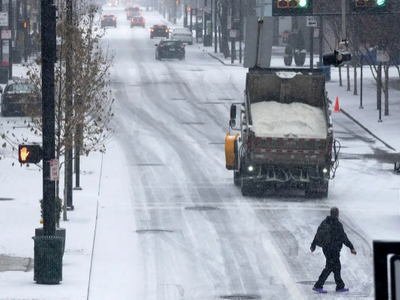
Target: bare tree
92 107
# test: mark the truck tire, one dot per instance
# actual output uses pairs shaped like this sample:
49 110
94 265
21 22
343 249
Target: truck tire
246 187
317 191
236 178
236 173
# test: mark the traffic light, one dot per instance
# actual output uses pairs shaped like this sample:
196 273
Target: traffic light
189 9
368 6
336 58
29 154
292 8
177 2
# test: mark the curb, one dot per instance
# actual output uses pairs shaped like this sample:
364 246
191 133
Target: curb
366 129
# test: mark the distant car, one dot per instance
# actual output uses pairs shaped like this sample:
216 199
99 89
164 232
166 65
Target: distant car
113 3
132 12
170 49
159 30
20 98
182 34
138 21
109 20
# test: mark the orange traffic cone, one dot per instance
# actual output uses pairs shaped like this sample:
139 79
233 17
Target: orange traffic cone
337 105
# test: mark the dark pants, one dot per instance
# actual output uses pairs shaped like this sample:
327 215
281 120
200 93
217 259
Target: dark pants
332 265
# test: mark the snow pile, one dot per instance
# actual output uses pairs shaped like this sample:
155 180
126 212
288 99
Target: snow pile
289 74
273 119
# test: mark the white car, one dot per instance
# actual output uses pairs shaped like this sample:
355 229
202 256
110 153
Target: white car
182 34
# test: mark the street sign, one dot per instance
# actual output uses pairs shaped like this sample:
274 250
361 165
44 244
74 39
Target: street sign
311 21
4 19
382 56
54 170
6 34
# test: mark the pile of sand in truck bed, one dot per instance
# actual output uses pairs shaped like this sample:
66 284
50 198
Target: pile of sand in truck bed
273 119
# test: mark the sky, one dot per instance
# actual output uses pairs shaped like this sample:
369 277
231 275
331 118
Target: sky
102 248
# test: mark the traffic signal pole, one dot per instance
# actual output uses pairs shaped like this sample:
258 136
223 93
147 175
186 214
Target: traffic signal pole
215 27
175 11
69 114
12 28
48 44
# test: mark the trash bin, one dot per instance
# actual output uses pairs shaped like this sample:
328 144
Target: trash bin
4 74
207 41
61 232
47 259
326 70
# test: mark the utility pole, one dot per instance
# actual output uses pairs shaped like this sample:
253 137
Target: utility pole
215 27
240 30
191 19
186 16
233 50
69 113
78 143
1 42
48 249
12 28
311 48
26 29
321 39
48 44
175 10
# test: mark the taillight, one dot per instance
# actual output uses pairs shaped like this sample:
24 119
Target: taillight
166 30
182 47
113 19
152 30
102 19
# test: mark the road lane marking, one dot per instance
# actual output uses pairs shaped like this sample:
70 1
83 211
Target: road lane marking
280 267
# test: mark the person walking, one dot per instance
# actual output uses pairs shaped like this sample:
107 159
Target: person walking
331 237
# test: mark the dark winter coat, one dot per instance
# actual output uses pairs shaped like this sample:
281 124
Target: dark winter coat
335 238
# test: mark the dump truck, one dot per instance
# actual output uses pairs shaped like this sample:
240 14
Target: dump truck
284 136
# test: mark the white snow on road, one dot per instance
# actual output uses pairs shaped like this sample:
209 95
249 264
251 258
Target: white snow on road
272 119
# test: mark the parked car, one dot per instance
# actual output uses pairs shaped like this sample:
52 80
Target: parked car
132 12
170 49
159 30
109 20
20 98
182 34
138 21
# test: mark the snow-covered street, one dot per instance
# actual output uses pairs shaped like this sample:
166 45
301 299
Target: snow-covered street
159 217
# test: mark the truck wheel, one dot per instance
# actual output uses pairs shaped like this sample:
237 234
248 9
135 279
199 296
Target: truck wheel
324 193
236 178
317 191
246 188
236 172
